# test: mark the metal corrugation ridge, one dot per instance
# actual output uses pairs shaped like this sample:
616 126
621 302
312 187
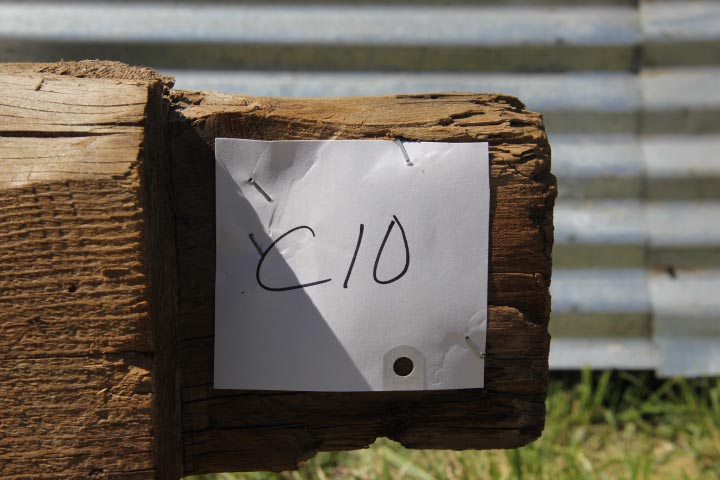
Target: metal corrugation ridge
570 102
327 37
681 136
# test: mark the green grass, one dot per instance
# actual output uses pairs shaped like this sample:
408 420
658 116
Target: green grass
607 425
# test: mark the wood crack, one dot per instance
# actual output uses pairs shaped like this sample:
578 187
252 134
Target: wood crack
50 134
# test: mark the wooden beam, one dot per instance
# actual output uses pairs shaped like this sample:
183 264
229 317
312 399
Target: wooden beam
87 297
106 296
246 430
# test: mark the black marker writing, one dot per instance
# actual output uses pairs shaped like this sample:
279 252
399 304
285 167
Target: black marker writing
382 247
265 253
352 263
395 220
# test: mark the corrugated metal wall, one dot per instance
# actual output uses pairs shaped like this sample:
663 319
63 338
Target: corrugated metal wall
630 92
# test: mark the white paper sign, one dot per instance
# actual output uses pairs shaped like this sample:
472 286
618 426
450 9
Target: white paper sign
350 265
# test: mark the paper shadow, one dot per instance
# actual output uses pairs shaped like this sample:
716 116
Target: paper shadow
287 344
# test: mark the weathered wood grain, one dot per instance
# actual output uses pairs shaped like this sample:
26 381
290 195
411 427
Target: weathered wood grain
246 430
107 207
87 369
